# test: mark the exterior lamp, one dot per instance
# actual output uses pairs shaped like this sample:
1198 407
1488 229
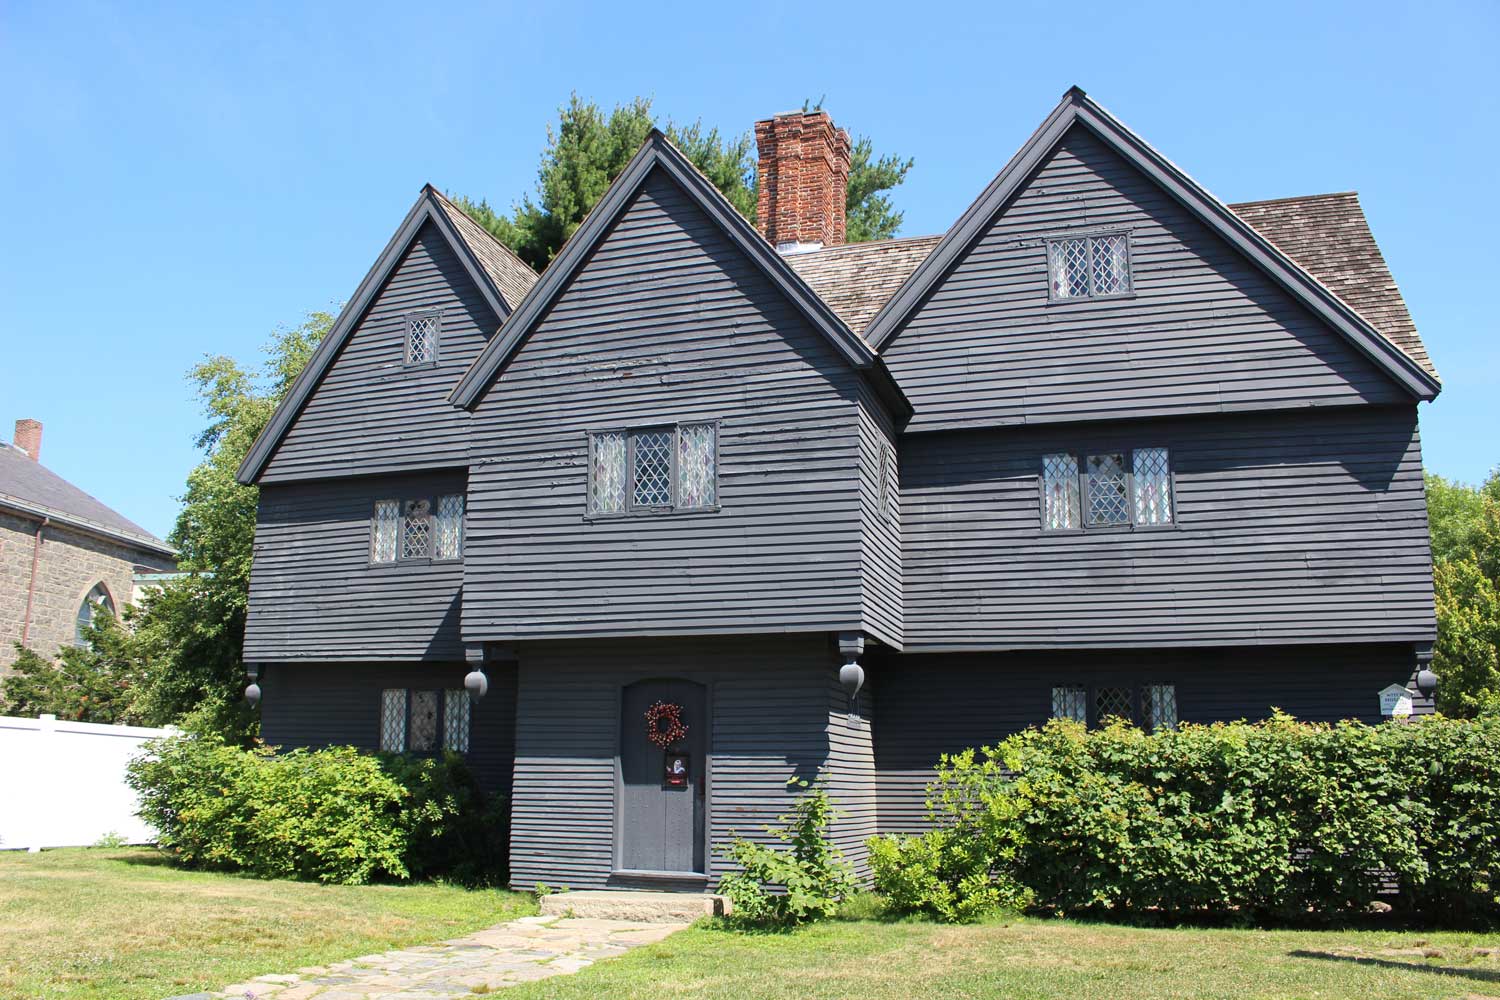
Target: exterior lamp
1427 681
476 684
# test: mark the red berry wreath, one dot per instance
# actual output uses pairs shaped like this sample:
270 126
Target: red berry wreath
664 724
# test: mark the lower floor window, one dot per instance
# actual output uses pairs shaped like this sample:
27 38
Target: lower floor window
1152 706
416 720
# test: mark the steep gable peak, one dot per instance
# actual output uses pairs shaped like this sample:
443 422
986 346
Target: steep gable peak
658 153
1078 110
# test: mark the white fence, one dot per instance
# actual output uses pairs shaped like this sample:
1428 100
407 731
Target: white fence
62 784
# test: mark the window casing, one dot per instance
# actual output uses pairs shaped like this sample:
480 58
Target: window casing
1107 490
1151 706
1095 266
424 720
889 483
423 331
653 469
420 529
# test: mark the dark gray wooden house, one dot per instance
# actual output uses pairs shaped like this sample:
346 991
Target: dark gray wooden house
1109 446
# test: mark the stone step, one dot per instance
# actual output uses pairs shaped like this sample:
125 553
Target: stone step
645 906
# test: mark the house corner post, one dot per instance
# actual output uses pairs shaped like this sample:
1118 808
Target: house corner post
851 674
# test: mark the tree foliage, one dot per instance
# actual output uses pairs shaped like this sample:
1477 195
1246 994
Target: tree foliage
94 682
1465 525
589 147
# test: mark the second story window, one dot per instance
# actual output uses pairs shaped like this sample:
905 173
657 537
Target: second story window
422 337
409 530
654 469
1115 489
1089 267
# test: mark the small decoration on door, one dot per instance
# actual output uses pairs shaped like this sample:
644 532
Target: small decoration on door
664 724
676 770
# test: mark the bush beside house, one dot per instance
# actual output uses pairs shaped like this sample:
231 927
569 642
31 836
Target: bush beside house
332 815
1275 819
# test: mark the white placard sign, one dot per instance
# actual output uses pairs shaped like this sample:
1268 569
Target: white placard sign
1395 700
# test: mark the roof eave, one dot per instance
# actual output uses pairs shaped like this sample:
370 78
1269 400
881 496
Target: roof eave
40 512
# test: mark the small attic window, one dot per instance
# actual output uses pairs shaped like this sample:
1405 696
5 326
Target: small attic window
422 331
1089 267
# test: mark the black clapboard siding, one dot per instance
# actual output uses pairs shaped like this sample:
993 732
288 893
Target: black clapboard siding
668 322
372 414
314 594
1291 527
1205 331
850 772
880 539
936 703
769 717
338 704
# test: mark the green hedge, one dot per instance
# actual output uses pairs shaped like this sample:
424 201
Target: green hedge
332 815
1277 818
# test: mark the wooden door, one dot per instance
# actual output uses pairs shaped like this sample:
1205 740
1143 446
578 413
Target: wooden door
662 815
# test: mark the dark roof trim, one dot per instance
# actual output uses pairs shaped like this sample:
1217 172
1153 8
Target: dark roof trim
42 512
1077 109
425 210
655 152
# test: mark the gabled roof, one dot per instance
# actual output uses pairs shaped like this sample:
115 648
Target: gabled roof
29 487
1077 109
858 278
1329 236
501 277
657 152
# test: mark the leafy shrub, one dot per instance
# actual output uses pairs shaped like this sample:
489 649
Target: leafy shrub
805 880
1275 818
331 815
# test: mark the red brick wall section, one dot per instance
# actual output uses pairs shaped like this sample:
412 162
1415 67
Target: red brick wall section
804 176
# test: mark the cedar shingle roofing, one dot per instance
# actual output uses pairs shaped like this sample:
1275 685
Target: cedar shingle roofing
31 487
1324 234
1327 235
509 273
857 279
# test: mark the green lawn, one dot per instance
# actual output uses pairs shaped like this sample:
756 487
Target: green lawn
1025 959
120 924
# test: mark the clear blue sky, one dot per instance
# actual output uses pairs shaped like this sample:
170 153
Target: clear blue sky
182 179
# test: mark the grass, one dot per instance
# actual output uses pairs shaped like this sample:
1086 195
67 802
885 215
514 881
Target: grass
97 923
1025 959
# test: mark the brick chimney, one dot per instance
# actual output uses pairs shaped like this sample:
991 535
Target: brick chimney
804 174
29 438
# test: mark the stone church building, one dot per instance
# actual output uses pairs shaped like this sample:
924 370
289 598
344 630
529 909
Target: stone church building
63 554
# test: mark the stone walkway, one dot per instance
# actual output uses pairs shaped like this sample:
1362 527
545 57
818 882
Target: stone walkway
517 952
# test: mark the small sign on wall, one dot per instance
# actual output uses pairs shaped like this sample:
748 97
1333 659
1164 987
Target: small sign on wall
676 770
1395 700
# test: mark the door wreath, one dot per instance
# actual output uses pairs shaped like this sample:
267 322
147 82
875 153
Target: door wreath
664 725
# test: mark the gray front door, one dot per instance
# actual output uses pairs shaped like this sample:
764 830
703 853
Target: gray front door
661 815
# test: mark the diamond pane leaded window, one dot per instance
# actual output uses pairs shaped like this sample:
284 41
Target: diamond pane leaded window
421 339
424 720
1060 492
607 473
393 719
1113 701
1111 268
1107 504
385 531
416 530
1070 701
1084 266
1070 268
1159 705
697 466
456 720
449 540
651 472
1152 481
